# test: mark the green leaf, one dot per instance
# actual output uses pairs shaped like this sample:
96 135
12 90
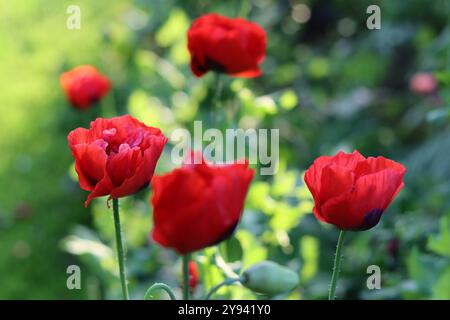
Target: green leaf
288 100
258 192
284 183
318 68
309 251
231 250
267 104
253 251
441 289
415 267
440 243
285 217
173 29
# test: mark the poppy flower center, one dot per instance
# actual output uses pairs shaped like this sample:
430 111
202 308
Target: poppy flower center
214 65
115 145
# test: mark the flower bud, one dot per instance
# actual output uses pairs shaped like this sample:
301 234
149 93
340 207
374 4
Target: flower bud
269 278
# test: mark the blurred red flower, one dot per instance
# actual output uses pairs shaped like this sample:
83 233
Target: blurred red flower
423 83
393 247
115 157
198 205
194 276
84 85
232 46
351 191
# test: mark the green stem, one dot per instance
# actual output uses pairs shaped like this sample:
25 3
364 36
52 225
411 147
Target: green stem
243 8
226 282
337 263
216 107
120 253
214 111
158 286
186 277
218 92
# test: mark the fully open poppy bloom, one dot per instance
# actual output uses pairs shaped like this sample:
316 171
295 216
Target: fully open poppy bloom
84 85
115 157
232 46
352 192
198 205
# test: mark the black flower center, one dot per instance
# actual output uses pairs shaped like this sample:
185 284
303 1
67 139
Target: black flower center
371 219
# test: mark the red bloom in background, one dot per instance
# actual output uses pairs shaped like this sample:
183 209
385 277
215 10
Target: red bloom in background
423 83
84 85
194 276
115 157
198 205
351 191
232 46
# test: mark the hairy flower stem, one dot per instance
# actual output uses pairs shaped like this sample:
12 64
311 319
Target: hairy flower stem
226 282
337 263
120 253
159 286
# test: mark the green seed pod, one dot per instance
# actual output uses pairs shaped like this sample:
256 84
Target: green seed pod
269 278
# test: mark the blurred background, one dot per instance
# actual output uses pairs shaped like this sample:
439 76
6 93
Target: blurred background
329 84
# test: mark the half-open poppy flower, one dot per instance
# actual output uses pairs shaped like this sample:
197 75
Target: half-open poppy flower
115 157
198 205
232 46
352 192
84 86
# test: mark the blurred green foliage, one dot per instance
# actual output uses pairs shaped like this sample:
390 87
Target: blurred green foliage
329 83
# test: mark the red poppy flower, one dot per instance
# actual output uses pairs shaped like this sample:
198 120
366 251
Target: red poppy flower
423 83
198 205
194 277
115 157
84 85
232 46
352 192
